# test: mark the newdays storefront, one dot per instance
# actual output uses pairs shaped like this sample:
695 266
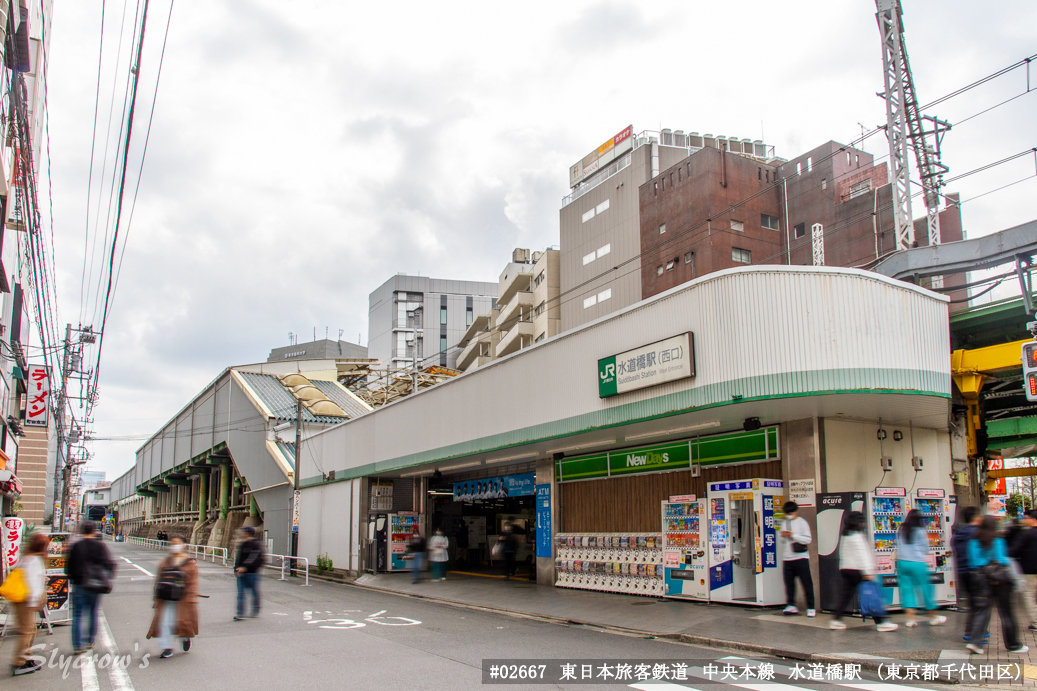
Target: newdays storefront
741 388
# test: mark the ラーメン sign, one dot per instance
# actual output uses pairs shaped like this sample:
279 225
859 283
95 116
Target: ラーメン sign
656 363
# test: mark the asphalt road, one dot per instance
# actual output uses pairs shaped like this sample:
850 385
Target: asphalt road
333 637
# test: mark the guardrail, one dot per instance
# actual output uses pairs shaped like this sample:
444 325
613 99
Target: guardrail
287 568
198 551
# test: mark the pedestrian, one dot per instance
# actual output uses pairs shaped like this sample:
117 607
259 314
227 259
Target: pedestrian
1024 551
416 554
992 584
438 554
176 600
461 541
796 559
247 563
90 569
913 569
509 546
33 568
964 530
856 564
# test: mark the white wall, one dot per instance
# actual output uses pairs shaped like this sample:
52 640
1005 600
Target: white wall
852 455
329 523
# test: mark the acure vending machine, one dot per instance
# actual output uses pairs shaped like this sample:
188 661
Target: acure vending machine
743 542
685 560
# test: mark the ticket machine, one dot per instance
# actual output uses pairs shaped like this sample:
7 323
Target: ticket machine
744 565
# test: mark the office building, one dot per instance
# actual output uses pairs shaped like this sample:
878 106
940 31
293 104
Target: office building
318 350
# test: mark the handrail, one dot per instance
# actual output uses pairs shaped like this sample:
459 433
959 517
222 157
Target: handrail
285 560
200 551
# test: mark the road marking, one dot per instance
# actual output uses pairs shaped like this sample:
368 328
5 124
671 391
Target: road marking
126 560
89 672
142 570
118 676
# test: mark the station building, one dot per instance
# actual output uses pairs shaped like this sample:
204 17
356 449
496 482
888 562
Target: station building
786 372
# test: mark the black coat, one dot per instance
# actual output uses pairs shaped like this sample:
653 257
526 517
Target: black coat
85 553
1024 550
250 556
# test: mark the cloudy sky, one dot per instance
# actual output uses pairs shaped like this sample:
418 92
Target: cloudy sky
303 152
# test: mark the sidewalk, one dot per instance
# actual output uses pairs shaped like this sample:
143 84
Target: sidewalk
748 629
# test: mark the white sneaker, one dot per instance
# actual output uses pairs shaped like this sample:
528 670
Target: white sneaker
836 625
886 626
1020 650
974 649
811 613
911 624
791 609
938 620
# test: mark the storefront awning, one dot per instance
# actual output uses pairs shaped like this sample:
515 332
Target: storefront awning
9 483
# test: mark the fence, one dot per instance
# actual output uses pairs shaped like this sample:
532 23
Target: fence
198 551
287 568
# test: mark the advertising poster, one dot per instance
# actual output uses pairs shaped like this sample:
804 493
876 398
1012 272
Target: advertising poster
495 487
543 496
57 581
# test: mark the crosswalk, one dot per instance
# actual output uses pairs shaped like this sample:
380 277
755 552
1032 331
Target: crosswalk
699 675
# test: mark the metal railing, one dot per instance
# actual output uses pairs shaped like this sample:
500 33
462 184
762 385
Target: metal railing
198 551
287 568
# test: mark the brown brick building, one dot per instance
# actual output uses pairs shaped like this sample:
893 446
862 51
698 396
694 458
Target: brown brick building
716 210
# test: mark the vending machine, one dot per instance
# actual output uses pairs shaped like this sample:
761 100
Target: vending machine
887 507
743 542
401 527
831 512
937 511
685 560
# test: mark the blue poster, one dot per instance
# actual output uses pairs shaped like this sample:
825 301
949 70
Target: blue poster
494 488
770 537
543 520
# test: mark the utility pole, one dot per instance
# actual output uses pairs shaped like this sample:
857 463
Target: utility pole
58 521
295 478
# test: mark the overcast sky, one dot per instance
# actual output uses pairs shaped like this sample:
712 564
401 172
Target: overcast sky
303 152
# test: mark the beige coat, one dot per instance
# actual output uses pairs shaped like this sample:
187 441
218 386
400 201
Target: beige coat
187 614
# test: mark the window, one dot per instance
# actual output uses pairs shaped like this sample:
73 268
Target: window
680 174
655 186
659 270
800 230
759 173
824 184
602 206
442 315
810 163
469 317
799 171
689 257
602 251
540 337
670 264
671 179
738 226
588 258
442 344
539 309
540 278
590 302
741 256
861 188
588 216
662 229
769 222
605 295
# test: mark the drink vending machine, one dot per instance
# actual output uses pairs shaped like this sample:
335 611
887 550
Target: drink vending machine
743 542
685 559
401 526
937 517
887 507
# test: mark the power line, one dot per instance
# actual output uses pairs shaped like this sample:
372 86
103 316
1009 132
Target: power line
90 176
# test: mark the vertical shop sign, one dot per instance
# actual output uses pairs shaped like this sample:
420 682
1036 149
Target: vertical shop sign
37 401
543 498
770 539
12 541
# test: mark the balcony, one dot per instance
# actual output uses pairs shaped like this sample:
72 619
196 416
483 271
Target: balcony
519 336
479 324
521 278
510 313
477 348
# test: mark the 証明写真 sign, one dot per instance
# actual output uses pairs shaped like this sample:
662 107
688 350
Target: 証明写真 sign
656 363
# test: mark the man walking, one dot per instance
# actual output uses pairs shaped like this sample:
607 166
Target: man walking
247 563
90 569
1024 551
796 559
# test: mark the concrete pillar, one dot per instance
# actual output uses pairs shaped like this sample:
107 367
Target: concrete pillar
203 496
803 458
225 471
545 475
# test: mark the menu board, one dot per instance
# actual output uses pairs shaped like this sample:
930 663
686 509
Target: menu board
57 581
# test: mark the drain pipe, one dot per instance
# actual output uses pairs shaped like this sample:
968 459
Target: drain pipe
788 235
875 219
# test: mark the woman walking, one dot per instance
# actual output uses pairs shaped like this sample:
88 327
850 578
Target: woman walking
913 569
856 564
176 600
34 571
438 554
992 582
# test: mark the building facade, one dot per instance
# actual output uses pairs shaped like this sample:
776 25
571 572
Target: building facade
599 222
318 350
421 319
527 310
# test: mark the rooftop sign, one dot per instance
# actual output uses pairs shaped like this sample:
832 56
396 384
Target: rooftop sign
650 365
601 156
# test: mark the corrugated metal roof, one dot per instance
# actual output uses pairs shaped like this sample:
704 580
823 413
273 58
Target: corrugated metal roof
280 401
352 406
288 451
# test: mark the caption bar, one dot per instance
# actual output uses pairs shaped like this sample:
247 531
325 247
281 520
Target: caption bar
505 671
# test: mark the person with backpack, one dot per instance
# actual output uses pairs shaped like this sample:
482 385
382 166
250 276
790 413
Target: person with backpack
856 564
90 569
247 563
176 600
913 569
30 573
992 582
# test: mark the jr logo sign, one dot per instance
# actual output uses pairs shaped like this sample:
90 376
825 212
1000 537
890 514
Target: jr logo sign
607 377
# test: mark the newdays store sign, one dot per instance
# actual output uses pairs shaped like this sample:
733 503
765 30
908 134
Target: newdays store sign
657 363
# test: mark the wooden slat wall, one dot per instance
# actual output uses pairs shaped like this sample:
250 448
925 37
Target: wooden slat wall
631 504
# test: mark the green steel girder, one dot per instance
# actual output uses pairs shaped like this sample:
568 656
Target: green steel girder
181 482
146 493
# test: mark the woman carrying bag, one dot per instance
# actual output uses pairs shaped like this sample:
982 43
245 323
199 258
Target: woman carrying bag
913 569
26 587
856 566
992 582
176 600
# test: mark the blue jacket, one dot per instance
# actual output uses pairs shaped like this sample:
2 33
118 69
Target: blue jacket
980 557
960 546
